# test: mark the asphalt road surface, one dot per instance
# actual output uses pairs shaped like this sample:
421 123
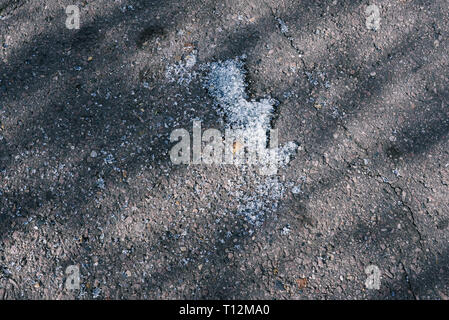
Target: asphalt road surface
92 205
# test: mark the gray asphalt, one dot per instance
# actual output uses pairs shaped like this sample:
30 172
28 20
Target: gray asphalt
360 210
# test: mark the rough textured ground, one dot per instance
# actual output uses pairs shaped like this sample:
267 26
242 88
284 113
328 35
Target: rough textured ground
86 179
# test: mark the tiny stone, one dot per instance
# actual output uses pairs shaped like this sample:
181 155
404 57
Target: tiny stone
296 189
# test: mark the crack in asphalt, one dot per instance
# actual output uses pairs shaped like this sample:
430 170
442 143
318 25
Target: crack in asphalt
409 210
289 38
397 190
408 280
397 193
